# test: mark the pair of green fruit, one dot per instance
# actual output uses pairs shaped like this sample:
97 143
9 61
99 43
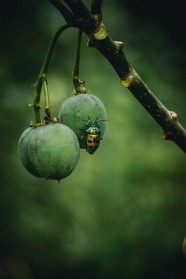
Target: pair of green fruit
52 151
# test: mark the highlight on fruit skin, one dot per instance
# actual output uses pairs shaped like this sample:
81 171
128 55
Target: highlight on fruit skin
52 150
76 110
23 151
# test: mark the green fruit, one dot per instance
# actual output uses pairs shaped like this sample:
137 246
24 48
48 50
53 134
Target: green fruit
23 151
76 110
54 151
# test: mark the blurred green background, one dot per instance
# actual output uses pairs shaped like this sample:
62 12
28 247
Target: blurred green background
121 213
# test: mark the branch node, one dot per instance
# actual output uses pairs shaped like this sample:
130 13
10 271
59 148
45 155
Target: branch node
174 116
167 135
119 45
100 33
126 80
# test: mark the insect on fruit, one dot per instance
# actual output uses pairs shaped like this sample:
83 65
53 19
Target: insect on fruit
92 135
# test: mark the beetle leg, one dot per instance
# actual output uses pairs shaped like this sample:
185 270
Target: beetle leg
88 122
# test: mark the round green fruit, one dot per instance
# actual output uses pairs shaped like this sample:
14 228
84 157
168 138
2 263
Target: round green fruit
23 151
76 110
54 151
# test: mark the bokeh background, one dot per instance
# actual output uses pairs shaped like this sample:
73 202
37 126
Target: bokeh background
121 213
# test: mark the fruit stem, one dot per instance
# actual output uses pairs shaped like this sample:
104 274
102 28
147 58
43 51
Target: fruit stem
41 80
75 73
46 93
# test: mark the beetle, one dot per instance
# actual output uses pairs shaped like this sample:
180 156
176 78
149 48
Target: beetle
92 135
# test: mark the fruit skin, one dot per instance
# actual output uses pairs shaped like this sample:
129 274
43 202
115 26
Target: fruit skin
76 110
54 151
23 151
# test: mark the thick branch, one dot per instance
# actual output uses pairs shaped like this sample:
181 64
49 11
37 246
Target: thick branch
114 53
96 8
167 120
83 17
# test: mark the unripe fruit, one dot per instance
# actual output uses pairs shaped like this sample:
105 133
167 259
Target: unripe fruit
54 151
23 151
76 110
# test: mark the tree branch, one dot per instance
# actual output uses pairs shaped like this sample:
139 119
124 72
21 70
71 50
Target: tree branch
114 53
84 19
96 8
68 16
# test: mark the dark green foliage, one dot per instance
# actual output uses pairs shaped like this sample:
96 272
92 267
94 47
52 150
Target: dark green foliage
121 213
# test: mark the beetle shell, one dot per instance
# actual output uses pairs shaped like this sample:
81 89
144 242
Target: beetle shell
92 137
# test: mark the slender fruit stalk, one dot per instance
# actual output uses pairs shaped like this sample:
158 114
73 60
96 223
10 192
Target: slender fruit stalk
41 80
75 74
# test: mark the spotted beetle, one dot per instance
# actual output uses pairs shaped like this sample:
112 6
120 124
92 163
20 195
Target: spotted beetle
92 135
